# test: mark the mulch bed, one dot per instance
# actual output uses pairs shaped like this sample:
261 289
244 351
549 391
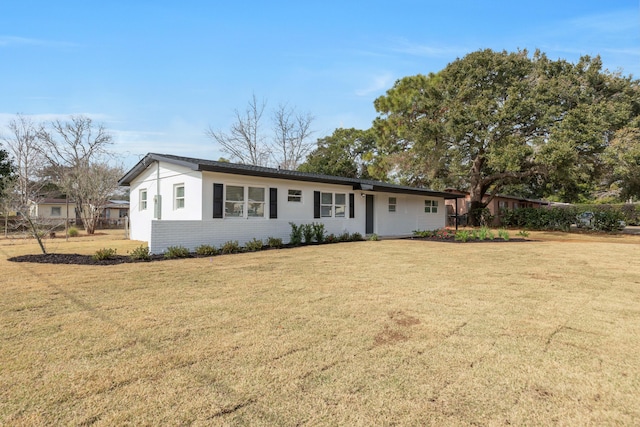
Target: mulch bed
78 259
453 240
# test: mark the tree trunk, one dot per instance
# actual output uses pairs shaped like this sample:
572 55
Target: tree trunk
475 213
36 234
476 192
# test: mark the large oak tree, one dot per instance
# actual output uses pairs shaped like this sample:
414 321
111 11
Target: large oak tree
492 120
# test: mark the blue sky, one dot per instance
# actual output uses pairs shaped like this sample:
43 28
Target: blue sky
158 73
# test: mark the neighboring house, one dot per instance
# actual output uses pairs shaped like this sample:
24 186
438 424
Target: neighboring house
189 202
496 206
115 212
53 209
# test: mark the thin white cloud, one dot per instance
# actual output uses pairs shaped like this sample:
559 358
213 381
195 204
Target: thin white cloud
8 41
5 118
621 21
408 47
376 84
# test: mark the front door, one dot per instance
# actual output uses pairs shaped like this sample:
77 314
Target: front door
369 214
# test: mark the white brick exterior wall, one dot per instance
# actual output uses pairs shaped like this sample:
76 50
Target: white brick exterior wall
194 224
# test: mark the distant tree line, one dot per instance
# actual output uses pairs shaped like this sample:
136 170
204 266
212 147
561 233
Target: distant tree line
495 122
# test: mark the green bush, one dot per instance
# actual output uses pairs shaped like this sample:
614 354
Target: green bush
176 252
523 233
356 237
206 250
607 220
423 233
295 237
274 242
254 245
140 253
230 247
374 237
553 218
485 234
105 253
344 237
307 233
463 235
73 232
503 234
318 232
331 238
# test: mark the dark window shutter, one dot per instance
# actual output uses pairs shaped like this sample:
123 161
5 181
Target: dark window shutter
352 208
218 201
273 203
316 204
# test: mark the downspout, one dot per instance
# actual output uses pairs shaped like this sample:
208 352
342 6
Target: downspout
158 197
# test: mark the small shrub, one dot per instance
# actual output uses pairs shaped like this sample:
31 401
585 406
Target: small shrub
176 252
140 253
105 253
254 245
463 235
356 237
295 238
485 234
374 237
443 234
307 233
608 221
423 233
230 247
344 237
503 234
331 238
73 232
274 242
318 232
206 250
523 233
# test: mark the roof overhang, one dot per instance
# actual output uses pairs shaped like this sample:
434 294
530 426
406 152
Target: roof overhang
259 171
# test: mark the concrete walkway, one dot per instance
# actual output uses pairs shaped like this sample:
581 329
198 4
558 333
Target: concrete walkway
632 229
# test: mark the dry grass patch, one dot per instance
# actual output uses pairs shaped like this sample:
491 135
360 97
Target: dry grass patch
390 332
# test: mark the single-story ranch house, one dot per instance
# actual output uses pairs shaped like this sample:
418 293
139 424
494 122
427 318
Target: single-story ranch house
189 202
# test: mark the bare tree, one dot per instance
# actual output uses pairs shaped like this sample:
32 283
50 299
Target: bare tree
28 188
77 151
23 146
291 132
245 141
94 186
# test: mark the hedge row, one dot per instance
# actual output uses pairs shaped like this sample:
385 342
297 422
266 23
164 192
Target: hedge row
606 217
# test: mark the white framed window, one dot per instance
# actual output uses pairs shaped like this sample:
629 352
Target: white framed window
234 202
178 196
256 199
294 196
341 205
143 199
393 202
431 206
502 205
326 205
56 211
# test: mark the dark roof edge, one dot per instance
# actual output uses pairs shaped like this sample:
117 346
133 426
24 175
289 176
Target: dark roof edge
248 170
125 181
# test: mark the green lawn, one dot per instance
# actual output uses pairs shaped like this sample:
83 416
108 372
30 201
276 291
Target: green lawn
369 333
